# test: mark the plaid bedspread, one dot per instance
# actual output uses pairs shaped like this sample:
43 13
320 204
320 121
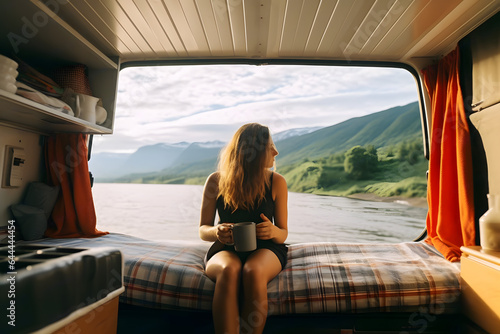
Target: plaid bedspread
318 278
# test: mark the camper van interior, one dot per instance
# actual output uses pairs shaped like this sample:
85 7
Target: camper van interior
60 67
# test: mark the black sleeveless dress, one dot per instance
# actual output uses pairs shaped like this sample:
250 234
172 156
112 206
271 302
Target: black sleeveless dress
227 216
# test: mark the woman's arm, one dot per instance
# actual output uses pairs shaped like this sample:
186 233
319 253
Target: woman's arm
278 232
280 208
207 230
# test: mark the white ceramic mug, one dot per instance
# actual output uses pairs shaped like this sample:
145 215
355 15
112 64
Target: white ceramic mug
244 236
100 114
86 107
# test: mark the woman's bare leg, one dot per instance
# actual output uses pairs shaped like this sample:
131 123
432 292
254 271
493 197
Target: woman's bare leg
260 268
225 269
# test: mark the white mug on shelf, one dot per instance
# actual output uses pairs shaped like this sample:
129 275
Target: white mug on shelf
101 114
86 107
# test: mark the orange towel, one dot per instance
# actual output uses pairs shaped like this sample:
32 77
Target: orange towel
450 220
67 166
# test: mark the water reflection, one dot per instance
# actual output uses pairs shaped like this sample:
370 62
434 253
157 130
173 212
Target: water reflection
159 212
342 219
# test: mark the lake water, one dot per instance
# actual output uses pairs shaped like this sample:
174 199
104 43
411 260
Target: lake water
171 212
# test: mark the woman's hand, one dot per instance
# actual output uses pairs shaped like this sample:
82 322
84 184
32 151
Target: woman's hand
266 229
225 233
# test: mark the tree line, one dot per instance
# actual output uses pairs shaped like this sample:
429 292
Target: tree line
360 162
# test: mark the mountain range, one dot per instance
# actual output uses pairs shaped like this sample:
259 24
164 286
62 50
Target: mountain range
151 158
162 161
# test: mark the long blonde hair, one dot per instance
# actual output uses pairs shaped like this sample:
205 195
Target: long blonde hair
242 167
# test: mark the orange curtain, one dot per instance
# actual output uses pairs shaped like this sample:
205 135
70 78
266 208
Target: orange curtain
66 162
450 220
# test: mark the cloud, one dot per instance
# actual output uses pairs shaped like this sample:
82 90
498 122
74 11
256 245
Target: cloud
202 103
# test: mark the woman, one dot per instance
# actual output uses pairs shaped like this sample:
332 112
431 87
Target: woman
244 189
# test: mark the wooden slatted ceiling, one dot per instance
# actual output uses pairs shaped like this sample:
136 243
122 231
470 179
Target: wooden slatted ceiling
392 30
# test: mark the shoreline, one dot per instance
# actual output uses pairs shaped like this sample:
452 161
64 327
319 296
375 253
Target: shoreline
418 202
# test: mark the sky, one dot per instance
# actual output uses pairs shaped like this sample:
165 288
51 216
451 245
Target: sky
200 103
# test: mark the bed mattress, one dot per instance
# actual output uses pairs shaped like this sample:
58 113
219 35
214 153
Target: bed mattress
318 278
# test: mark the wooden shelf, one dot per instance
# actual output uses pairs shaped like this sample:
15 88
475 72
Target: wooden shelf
34 33
20 112
491 257
37 35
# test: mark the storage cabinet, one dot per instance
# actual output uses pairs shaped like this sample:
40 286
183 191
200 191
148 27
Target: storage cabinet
480 280
36 34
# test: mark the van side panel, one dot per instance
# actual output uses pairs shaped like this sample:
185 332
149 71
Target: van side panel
32 170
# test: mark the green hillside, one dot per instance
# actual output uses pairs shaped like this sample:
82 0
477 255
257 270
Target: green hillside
380 129
393 174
